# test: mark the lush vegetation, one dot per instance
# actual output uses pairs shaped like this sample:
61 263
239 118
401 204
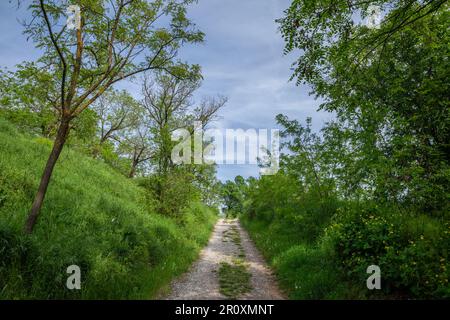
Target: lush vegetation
87 175
95 218
91 175
372 187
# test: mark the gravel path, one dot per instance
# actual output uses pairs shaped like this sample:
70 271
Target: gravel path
201 282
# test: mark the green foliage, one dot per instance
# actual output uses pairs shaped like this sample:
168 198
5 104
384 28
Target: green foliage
304 271
287 223
232 195
107 152
197 214
26 99
372 188
280 197
205 180
94 218
172 192
84 129
113 33
332 30
388 88
412 251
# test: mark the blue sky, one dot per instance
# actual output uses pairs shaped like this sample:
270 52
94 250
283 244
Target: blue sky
241 58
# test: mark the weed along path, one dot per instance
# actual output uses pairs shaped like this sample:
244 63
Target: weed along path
229 267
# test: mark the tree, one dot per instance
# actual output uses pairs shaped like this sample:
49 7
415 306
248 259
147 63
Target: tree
115 40
233 195
169 106
208 109
166 101
322 30
117 111
387 87
137 144
304 157
29 98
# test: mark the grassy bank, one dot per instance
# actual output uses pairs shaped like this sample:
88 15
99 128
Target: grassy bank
411 251
304 271
92 217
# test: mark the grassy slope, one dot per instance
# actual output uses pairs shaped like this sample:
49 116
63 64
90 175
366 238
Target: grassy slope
92 217
314 270
304 270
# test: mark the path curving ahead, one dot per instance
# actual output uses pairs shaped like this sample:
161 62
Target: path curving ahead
201 281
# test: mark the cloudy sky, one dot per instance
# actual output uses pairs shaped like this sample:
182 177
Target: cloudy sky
242 59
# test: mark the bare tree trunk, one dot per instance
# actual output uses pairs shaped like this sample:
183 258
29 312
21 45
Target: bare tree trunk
58 145
132 170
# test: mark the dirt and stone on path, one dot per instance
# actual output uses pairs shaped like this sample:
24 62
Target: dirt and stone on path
202 283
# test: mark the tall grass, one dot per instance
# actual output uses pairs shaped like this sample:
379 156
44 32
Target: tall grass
411 250
92 217
304 270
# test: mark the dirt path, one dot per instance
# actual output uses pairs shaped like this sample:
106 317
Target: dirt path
202 282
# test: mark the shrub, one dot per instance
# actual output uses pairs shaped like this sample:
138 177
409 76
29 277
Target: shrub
411 250
280 199
304 270
170 193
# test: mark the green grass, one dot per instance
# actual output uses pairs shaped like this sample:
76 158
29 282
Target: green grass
232 235
234 279
411 250
92 217
304 270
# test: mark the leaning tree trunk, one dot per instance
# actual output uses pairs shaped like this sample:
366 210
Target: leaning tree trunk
58 145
